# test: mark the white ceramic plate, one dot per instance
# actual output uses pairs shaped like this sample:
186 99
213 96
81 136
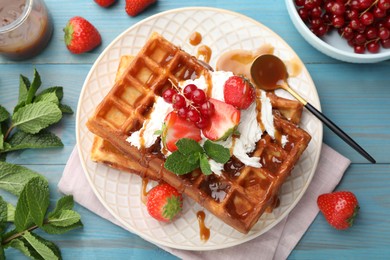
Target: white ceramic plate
120 191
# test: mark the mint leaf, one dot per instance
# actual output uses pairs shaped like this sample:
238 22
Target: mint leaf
34 117
37 192
179 163
205 165
41 246
14 177
65 109
56 230
23 246
23 219
4 114
194 158
50 97
1 141
53 247
35 84
188 146
65 218
3 211
22 140
64 203
24 85
216 152
59 91
10 212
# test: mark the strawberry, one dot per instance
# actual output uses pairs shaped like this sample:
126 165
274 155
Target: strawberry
164 202
105 3
339 208
81 36
239 92
223 122
176 128
134 7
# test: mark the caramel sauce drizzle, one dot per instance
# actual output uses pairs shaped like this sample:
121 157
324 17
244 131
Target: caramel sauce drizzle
204 231
195 38
144 192
205 52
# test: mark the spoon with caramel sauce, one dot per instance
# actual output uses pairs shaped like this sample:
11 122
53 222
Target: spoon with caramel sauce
269 72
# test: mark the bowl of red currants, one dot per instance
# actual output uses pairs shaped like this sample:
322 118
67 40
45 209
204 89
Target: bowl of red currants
355 31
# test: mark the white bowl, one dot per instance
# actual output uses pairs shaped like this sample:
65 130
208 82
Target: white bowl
332 44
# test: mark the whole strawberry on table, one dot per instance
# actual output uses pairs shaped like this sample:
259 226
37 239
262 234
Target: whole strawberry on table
81 36
339 208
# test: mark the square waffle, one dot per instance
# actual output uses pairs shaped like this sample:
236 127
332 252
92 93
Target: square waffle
241 194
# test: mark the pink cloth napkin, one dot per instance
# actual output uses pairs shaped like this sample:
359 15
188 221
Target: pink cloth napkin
277 243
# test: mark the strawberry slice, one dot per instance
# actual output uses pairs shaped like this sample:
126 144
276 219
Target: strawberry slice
223 122
177 128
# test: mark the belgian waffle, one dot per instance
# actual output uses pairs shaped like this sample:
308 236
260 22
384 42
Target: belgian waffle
241 194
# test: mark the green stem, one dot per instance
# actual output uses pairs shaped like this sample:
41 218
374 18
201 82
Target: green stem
8 239
8 132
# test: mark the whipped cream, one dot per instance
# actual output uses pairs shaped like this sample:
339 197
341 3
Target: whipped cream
249 129
151 125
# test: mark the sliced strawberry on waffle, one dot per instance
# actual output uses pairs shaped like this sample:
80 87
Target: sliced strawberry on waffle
176 128
223 122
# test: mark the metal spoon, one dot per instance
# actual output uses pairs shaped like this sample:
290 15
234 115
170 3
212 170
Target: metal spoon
269 73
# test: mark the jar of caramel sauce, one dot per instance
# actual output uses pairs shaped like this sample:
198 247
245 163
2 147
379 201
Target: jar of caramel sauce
25 28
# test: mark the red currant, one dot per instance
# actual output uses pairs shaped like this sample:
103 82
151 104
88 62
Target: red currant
359 49
193 115
207 109
371 33
198 96
182 112
338 21
384 33
187 91
168 94
202 122
338 8
384 4
378 13
367 18
178 101
373 47
385 43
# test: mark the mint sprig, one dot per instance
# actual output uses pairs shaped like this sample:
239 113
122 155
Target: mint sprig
190 155
30 214
31 117
26 128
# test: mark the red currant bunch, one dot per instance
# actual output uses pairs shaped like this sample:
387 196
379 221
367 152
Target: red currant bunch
365 24
191 103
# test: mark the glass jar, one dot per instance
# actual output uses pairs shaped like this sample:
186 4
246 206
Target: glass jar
25 28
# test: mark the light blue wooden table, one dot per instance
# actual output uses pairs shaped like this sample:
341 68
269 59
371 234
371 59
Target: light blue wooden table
355 96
